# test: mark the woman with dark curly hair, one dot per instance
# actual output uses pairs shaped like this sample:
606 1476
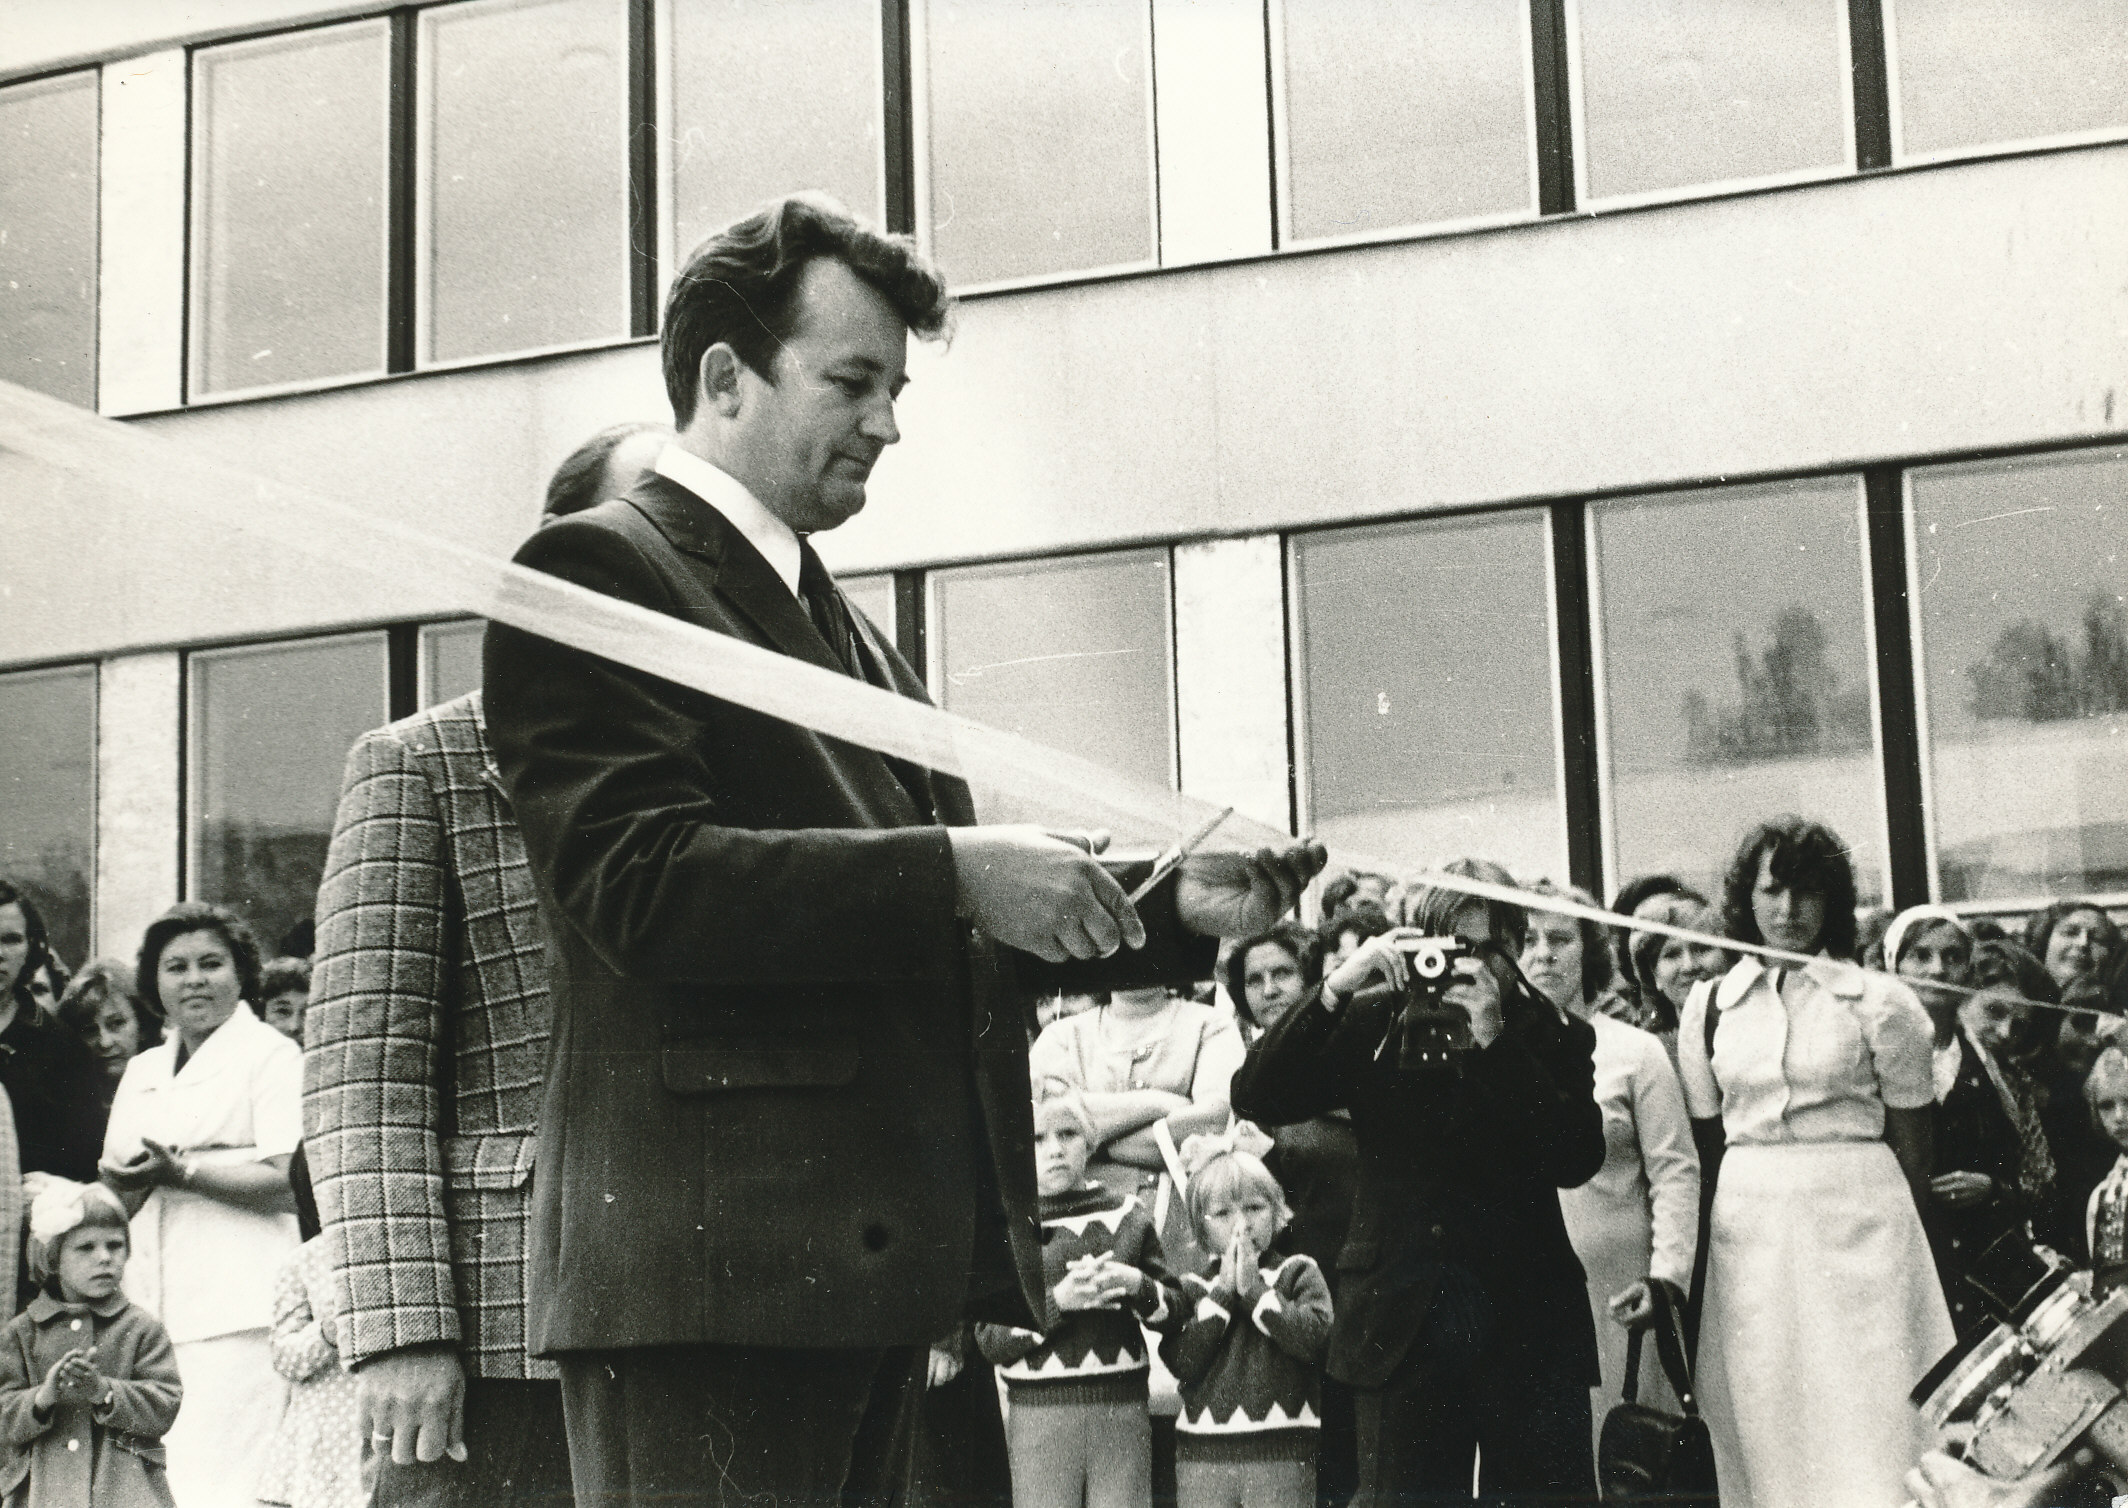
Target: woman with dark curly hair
2073 938
1822 1306
200 1138
50 1078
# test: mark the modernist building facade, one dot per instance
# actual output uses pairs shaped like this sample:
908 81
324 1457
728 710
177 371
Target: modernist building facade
1563 430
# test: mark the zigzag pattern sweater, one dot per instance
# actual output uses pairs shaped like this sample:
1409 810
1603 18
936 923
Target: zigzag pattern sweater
1251 1376
1089 1355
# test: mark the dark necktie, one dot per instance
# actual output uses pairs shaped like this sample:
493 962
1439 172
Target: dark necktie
830 615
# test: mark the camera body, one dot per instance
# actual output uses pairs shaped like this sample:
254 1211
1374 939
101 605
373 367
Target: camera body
1430 1035
2052 1377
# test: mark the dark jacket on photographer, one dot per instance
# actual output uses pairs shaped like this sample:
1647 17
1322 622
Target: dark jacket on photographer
1459 1175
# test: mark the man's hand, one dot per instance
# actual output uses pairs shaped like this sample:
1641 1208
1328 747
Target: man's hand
413 1404
1961 1189
1241 894
1042 892
943 1367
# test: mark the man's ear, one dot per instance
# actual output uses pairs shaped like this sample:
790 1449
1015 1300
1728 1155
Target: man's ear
719 379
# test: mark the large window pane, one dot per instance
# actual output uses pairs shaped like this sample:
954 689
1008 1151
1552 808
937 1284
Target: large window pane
524 171
1676 93
48 137
289 143
270 729
48 797
1075 654
1733 634
1401 114
1973 72
2019 572
1040 136
741 134
1425 690
450 659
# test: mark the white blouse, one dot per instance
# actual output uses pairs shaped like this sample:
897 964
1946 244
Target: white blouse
205 1268
1650 1168
1820 1061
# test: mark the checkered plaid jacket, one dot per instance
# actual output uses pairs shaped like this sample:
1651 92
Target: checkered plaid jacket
425 1047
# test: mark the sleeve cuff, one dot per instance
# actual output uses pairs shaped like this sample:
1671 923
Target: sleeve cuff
1158 1312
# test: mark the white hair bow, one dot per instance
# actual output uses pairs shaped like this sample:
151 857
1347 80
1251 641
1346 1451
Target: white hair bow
1204 1146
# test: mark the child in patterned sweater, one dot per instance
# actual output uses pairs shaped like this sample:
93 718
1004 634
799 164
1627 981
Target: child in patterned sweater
1249 1355
1078 1433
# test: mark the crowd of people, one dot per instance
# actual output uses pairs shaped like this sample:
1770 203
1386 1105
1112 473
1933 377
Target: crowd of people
660 1119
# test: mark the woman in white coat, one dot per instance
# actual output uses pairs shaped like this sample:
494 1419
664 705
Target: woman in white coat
1637 1221
199 1141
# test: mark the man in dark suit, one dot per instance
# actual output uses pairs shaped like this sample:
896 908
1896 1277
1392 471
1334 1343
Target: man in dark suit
786 1139
1462 1313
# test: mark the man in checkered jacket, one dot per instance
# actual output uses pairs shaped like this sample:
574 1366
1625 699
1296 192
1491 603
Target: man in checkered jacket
424 1063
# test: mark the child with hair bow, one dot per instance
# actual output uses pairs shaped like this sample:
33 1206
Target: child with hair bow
1078 1433
1249 1355
88 1381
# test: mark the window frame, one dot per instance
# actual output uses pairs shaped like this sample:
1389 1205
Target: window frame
921 173
2015 147
934 665
196 170
1577 98
191 743
1285 239
1292 542
420 151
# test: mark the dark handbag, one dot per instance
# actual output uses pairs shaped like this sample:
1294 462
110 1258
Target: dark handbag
1646 1455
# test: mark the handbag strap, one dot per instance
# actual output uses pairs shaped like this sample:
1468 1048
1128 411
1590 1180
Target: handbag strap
1669 1330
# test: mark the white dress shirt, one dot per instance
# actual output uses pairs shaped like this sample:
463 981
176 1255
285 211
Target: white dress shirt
774 538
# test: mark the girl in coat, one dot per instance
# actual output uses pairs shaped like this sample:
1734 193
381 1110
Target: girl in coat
315 1460
88 1381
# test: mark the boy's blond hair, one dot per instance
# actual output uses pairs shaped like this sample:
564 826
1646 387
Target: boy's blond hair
1053 1097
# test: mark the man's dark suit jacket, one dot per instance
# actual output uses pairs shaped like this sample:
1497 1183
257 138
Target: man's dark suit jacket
787 1102
1454 1174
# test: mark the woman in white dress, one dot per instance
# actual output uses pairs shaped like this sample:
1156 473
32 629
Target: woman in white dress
1637 1221
198 1146
1822 1306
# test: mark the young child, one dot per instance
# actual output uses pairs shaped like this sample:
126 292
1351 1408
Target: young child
88 1382
1248 1358
1078 1433
316 1457
2106 1216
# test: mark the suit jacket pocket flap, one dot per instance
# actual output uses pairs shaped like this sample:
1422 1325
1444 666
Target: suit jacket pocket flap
707 1069
490 1160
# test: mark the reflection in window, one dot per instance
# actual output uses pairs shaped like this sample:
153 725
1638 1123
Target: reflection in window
874 596
2019 571
270 727
1424 680
1040 136
48 792
1076 654
48 210
742 135
524 172
1732 634
289 145
1676 93
1976 72
1400 114
450 659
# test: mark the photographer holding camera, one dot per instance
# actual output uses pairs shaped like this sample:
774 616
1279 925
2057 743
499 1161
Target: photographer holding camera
1462 1322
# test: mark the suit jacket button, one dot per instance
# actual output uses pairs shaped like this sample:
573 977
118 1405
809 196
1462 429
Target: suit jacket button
1438 1233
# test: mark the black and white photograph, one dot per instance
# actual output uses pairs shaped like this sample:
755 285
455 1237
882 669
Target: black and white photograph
1063 753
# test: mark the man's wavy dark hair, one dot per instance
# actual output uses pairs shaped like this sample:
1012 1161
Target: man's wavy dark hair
1803 855
740 287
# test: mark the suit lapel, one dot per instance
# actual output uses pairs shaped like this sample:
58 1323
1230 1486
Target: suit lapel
738 574
736 570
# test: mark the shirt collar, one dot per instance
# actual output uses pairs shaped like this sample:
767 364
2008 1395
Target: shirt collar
44 1307
774 538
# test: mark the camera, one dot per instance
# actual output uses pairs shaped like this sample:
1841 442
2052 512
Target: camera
1429 1033
2052 1376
